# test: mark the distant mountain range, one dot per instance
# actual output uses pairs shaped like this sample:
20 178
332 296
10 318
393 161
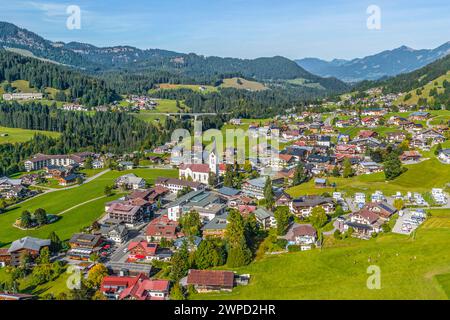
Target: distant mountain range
384 64
95 59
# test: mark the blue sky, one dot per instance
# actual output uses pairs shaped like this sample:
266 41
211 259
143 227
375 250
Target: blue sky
241 28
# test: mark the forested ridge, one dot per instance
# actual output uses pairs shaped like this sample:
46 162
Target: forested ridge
80 131
87 90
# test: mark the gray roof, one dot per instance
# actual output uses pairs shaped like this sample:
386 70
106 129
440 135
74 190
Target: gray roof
219 222
28 243
227 191
14 182
263 214
258 182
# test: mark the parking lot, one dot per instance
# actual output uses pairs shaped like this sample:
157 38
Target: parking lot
406 224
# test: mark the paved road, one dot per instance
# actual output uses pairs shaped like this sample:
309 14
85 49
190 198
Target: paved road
329 120
79 205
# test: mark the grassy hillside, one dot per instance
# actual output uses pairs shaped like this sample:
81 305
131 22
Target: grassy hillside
240 83
421 177
434 84
13 135
193 87
412 267
306 83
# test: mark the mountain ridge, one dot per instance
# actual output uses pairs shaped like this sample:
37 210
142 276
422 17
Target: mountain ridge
387 63
97 59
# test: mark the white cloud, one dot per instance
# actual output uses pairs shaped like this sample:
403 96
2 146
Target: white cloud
50 9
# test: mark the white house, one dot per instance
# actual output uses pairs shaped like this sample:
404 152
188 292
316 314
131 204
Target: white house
303 235
444 156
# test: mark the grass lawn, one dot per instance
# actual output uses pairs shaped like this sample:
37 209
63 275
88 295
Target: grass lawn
55 287
193 87
411 268
58 201
164 106
421 177
244 84
305 83
14 135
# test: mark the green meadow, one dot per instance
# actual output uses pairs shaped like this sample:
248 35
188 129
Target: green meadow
58 201
411 267
13 135
420 177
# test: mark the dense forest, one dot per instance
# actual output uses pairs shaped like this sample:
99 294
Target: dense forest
72 85
80 131
242 103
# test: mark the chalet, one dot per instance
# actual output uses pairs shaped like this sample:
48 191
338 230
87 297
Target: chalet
130 182
444 156
430 135
210 280
245 209
141 251
368 167
117 233
216 227
139 287
364 134
364 223
370 122
5 258
29 245
265 218
410 156
419 116
175 185
304 205
298 152
82 246
162 228
8 184
282 199
373 112
16 192
320 183
303 235
345 149
282 161
384 210
126 165
68 180
393 137
291 134
324 141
